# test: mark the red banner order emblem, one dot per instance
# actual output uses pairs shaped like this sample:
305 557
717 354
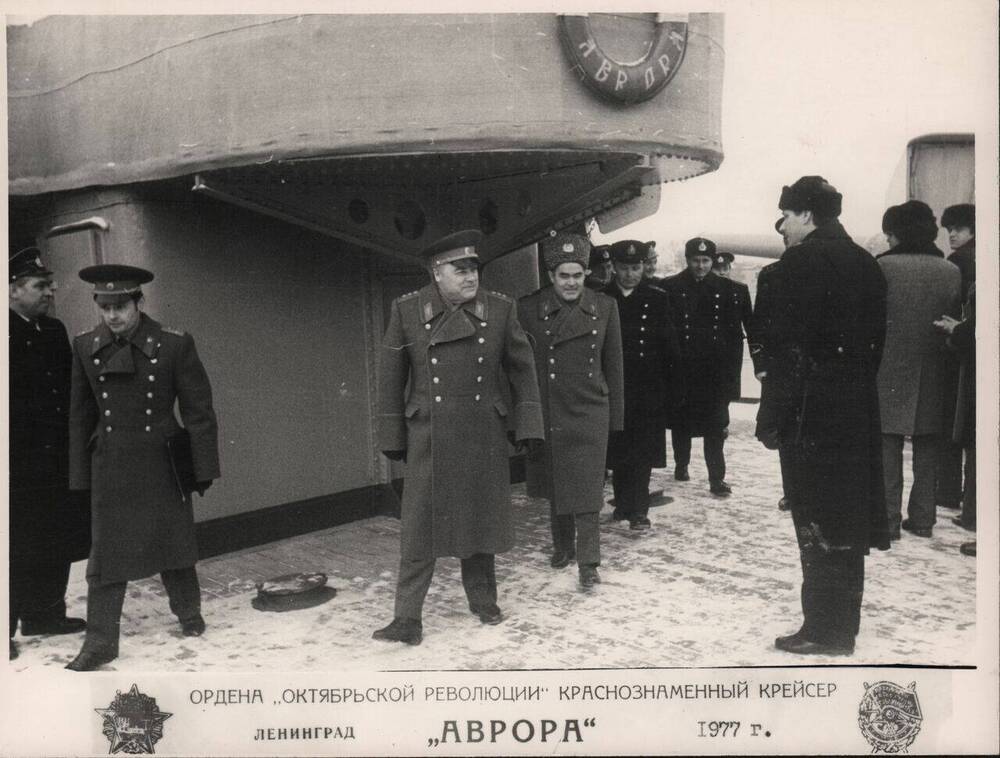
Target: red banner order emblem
625 83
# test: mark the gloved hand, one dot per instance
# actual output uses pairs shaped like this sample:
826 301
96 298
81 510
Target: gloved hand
395 455
530 446
202 487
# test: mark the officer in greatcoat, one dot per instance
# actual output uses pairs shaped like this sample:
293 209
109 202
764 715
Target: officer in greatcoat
654 386
709 312
822 349
722 265
49 527
578 355
456 372
128 448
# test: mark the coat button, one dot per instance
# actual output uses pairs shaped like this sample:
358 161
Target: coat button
479 379
477 398
427 326
436 380
717 295
154 360
434 361
149 339
97 339
591 360
590 374
594 332
552 376
641 355
642 342
149 411
593 347
152 378
28 343
149 428
149 395
100 378
480 359
107 412
107 428
552 360
482 324
104 395
482 340
97 361
644 315
55 392
840 350
642 328
548 332
552 347
437 398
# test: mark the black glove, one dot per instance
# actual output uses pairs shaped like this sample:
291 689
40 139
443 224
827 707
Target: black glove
202 487
531 446
395 455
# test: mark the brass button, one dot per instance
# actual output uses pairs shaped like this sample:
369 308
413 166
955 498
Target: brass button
107 428
149 428
152 378
482 340
103 394
437 399
552 376
149 394
154 360
482 324
434 361
100 378
477 398
149 411
480 359
107 412
436 380
97 361
479 379
552 360
427 326
594 332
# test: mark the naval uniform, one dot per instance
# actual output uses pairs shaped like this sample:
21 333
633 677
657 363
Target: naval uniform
49 526
653 390
578 356
122 414
452 380
709 315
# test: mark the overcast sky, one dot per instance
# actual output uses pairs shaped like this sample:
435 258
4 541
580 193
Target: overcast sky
837 89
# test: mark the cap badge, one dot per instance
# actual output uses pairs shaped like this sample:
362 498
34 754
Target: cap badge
568 247
702 247
631 249
110 285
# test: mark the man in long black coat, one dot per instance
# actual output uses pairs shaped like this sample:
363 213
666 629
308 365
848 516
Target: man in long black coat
653 383
821 353
49 529
709 311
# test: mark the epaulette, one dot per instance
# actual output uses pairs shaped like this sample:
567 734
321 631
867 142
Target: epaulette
408 295
171 330
501 295
657 288
85 331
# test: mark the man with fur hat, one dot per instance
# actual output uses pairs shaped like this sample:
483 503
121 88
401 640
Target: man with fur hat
577 340
49 526
960 221
922 286
708 311
823 346
654 385
141 466
451 355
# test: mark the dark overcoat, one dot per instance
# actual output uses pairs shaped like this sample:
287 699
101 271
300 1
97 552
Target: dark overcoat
451 383
963 341
47 523
912 378
821 348
122 414
709 317
654 384
578 356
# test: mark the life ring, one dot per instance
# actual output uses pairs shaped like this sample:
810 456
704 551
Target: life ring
626 83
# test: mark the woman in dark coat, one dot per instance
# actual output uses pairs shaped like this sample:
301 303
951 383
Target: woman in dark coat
128 372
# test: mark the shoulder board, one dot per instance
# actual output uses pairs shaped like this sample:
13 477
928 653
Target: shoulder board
408 295
656 288
81 334
501 296
171 330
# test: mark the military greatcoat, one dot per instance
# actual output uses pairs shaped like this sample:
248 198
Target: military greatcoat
47 524
654 385
122 414
578 355
709 316
821 336
451 384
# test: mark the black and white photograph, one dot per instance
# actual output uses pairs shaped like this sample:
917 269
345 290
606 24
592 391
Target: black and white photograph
520 379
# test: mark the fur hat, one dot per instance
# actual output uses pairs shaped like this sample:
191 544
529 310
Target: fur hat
565 248
963 214
911 222
812 193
